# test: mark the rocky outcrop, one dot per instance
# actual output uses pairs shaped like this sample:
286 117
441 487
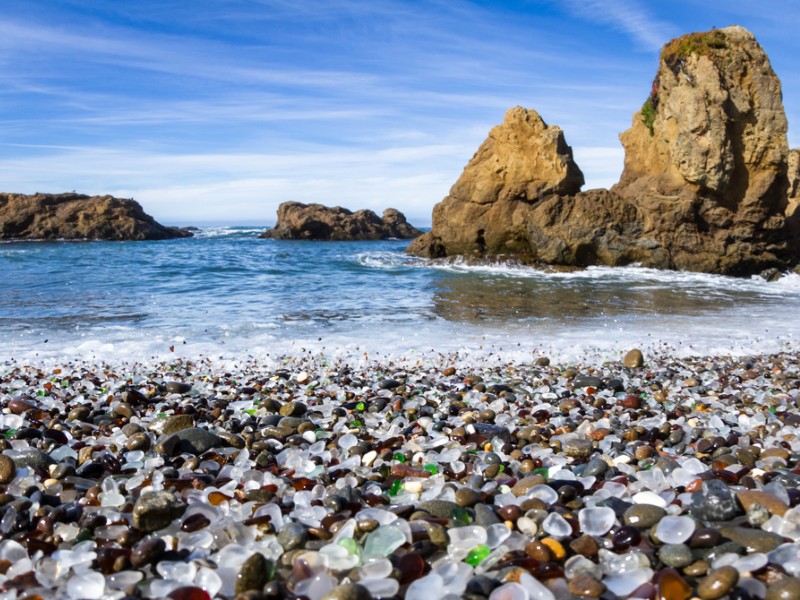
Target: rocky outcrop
705 187
79 217
297 221
794 182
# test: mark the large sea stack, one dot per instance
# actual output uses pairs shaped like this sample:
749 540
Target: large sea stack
79 217
706 184
298 221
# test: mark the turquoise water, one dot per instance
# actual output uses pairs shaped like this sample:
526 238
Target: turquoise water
226 291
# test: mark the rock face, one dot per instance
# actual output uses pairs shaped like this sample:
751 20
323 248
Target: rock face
76 216
297 221
706 183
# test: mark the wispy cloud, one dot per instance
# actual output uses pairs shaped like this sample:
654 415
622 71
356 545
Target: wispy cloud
627 16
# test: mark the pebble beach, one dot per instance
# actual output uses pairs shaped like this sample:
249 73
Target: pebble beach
311 477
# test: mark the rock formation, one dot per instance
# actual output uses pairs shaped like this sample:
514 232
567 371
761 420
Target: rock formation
78 217
297 221
705 187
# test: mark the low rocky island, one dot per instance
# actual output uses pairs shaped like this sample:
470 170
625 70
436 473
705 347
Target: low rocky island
709 182
298 221
79 217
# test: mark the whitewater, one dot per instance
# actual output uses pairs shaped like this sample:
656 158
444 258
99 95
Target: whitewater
227 294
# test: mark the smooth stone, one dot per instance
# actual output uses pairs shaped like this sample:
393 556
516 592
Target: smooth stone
584 381
253 574
467 497
633 359
586 586
585 545
177 387
485 515
171 424
754 540
8 469
138 441
717 583
643 516
787 588
192 441
349 591
156 510
292 535
441 509
772 503
595 467
293 409
675 555
147 551
577 447
526 483
29 458
713 502
490 431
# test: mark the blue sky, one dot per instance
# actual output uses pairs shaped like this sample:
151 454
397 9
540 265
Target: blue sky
218 110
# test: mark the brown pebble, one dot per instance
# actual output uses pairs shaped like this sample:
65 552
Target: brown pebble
718 583
787 588
633 359
585 545
586 586
7 469
539 551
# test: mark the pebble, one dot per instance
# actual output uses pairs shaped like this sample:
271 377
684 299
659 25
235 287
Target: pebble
156 510
8 469
633 359
329 479
717 583
786 588
675 555
253 574
713 502
643 516
586 586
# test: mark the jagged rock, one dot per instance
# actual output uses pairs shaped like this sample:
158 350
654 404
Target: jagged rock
793 163
706 183
297 221
77 216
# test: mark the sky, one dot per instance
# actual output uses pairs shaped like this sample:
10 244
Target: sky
216 111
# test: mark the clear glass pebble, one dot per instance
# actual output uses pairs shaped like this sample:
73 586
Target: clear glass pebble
509 591
90 586
675 530
597 520
624 583
557 526
383 541
496 534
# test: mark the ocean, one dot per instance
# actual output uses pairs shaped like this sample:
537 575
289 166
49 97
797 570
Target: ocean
227 294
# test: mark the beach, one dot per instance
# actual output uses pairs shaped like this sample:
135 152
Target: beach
358 477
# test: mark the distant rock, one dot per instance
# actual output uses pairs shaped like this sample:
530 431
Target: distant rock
297 221
707 182
78 217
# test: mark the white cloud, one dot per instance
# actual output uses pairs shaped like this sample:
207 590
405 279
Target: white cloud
626 16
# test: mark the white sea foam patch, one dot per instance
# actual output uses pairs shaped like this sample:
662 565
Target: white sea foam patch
388 260
225 231
789 282
592 342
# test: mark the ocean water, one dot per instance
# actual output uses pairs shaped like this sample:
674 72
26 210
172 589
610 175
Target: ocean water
227 294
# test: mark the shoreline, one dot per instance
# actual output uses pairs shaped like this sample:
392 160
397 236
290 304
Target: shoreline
343 479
